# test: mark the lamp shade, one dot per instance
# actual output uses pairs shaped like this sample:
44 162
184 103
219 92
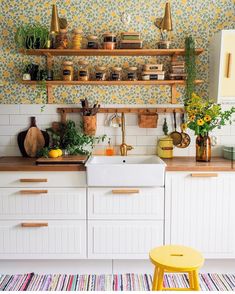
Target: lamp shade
166 24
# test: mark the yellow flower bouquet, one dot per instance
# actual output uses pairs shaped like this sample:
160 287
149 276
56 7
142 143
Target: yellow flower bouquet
202 117
205 115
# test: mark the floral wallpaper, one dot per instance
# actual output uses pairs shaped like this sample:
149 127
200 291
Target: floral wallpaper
201 18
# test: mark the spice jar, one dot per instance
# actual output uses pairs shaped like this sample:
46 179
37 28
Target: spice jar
62 41
68 71
132 73
109 41
92 42
116 74
76 39
83 72
100 73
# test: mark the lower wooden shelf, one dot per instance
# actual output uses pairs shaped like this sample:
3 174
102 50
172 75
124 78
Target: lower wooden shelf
172 83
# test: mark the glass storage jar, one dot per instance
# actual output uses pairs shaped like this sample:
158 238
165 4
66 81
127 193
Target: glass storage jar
83 72
110 41
62 41
116 74
92 42
76 39
132 73
100 73
68 71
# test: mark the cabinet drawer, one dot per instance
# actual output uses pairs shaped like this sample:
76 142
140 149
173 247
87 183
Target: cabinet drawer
123 239
45 203
42 179
55 239
122 203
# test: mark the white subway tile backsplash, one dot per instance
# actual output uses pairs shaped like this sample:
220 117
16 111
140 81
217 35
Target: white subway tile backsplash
9 109
138 150
10 130
5 141
135 131
130 140
146 140
9 151
4 119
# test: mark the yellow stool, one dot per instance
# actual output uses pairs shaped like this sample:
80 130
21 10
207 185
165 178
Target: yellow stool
176 259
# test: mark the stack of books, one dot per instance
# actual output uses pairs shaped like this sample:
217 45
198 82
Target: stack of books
177 70
131 40
153 72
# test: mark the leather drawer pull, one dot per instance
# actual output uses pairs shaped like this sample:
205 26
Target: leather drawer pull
28 192
204 175
126 191
33 180
34 225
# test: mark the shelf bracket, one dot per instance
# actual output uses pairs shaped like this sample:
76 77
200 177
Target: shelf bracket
50 98
173 94
49 61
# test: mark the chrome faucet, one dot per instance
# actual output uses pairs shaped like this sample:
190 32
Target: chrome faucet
124 147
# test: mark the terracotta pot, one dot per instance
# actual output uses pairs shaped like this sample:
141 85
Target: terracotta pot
203 148
89 125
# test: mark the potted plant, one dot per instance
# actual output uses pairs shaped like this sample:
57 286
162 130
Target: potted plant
33 36
203 117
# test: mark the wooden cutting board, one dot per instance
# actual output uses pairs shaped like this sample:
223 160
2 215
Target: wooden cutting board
67 159
32 140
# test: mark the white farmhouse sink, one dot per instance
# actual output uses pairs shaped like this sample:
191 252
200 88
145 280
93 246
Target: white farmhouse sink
125 171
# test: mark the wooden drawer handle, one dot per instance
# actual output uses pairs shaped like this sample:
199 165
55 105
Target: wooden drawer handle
204 175
126 191
34 225
27 192
228 65
33 180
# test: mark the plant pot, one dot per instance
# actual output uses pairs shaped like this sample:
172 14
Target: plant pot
203 148
89 125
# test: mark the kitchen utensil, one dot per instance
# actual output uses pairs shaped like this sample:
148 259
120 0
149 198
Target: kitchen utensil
176 136
185 137
115 121
31 140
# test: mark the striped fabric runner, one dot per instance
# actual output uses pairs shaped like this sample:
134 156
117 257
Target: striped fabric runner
121 282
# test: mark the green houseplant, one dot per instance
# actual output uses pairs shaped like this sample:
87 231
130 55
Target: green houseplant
31 36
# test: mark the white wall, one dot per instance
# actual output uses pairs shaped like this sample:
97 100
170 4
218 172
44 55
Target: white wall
15 118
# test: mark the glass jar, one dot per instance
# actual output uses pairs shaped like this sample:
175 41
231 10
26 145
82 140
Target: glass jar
100 73
116 74
76 39
92 42
132 73
68 71
203 148
62 41
83 72
110 41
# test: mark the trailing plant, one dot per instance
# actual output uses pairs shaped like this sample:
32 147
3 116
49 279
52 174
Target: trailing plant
190 66
72 139
33 36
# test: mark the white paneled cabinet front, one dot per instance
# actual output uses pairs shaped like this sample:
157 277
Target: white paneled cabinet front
200 212
49 203
123 239
108 203
56 240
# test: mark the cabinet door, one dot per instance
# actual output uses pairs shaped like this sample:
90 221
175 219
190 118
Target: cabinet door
126 203
201 212
42 239
123 239
227 74
42 203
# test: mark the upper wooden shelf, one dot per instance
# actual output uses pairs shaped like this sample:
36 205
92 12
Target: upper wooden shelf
103 52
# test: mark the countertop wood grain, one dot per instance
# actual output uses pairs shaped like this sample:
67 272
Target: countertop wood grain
14 163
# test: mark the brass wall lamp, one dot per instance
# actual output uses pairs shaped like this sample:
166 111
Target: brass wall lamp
165 26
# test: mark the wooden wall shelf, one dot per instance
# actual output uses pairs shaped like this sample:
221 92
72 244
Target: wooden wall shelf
64 111
103 52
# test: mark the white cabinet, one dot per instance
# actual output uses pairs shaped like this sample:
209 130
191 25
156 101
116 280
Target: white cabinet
43 215
123 239
200 212
114 227
222 66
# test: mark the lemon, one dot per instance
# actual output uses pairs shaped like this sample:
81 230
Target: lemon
60 152
53 153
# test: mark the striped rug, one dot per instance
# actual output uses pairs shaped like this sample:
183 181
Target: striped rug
122 282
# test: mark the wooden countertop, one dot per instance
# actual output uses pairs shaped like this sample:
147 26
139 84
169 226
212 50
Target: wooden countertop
16 163
190 164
